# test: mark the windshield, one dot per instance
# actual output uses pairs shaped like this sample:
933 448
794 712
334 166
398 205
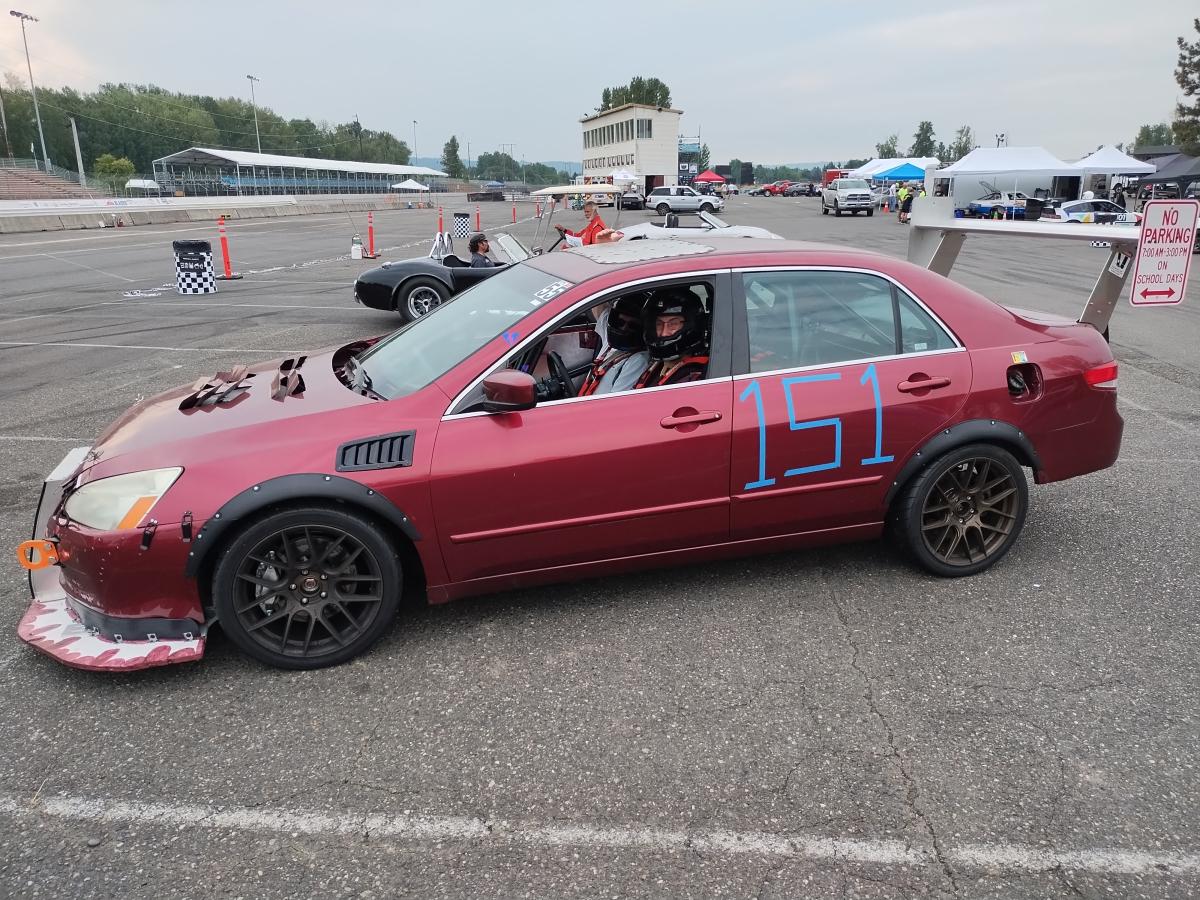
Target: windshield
414 356
852 183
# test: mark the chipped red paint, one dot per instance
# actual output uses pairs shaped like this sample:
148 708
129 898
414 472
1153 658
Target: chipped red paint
51 627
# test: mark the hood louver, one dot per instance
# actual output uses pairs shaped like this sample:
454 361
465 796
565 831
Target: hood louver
387 451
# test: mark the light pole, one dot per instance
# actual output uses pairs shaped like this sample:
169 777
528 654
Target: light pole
33 88
254 106
414 153
4 125
468 160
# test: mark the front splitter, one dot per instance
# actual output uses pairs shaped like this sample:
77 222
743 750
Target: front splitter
50 626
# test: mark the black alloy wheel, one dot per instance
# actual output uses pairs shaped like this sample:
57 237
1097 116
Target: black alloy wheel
307 587
964 511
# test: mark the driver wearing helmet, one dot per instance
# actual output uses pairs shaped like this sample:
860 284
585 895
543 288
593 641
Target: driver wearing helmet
623 358
676 336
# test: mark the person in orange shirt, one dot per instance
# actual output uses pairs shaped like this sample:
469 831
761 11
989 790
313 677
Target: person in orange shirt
594 225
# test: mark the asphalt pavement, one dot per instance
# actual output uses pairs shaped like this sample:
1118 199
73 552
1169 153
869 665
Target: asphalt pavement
823 724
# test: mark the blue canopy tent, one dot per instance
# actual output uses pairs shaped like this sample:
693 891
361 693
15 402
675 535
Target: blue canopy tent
905 172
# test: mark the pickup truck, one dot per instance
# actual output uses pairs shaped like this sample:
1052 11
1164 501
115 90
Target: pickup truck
847 195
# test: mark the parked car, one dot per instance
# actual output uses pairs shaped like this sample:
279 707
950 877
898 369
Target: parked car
852 195
1006 204
681 198
632 200
703 224
775 188
434 463
756 191
1097 212
798 189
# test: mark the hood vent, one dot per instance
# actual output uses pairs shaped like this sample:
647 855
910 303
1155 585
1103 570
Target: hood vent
288 381
223 388
387 451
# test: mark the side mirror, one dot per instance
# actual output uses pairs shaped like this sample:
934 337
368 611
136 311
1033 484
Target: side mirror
508 390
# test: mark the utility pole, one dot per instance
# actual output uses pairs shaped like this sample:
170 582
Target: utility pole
468 160
414 153
4 124
358 130
32 87
254 106
78 155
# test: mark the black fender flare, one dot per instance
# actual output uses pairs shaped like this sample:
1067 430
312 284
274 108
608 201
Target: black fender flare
972 431
285 488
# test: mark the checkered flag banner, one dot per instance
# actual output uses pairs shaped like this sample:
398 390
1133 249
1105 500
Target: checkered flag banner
194 267
462 225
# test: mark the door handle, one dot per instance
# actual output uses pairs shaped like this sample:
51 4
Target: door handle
925 384
693 418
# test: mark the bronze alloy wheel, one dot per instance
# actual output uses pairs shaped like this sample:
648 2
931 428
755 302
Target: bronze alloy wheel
963 511
970 512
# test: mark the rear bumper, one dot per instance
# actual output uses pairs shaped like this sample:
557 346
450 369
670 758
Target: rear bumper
1081 449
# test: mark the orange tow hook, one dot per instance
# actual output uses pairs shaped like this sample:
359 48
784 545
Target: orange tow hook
34 555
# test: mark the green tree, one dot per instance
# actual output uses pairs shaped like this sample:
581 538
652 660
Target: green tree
1187 76
923 141
497 167
451 162
1160 135
963 143
854 163
887 149
110 166
703 159
650 91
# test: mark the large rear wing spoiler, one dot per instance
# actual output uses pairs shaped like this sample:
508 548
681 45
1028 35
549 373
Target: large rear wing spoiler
937 237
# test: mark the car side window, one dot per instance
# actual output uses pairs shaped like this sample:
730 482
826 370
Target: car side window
919 331
813 318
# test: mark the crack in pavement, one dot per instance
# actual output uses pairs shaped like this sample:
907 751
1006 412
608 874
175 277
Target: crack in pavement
911 791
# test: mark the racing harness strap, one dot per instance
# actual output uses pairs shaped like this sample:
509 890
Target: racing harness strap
599 369
658 375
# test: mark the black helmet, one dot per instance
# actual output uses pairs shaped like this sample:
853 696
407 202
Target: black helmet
690 338
624 328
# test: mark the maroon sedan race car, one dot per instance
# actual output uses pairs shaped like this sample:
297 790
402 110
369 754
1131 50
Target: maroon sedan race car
837 393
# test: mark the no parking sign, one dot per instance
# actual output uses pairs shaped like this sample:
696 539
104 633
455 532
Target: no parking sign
1164 253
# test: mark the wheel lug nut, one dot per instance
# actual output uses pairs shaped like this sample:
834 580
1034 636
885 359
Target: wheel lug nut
323 577
304 601
323 595
304 571
291 587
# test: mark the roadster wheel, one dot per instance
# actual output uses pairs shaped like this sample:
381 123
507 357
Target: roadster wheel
307 587
419 296
964 511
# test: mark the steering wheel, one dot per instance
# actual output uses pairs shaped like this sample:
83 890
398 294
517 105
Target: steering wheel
561 237
560 378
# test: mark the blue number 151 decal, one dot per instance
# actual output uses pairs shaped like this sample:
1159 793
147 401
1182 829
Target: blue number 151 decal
754 389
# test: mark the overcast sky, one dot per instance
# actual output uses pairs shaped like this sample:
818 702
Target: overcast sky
770 82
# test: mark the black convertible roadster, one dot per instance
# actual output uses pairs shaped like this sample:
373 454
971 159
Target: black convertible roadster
412 287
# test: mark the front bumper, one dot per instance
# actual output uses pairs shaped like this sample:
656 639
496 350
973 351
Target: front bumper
86 638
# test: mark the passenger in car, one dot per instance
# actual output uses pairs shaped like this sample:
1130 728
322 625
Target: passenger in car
623 357
594 225
676 333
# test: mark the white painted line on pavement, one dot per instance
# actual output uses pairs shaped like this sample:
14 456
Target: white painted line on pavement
988 857
185 304
70 262
142 347
38 437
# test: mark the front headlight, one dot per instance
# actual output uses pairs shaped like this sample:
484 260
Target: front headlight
119 502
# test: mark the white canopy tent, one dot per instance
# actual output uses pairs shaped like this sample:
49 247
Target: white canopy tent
409 185
1008 161
621 176
141 184
1111 161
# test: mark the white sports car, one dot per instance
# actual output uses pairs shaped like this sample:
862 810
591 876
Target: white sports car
1094 212
704 223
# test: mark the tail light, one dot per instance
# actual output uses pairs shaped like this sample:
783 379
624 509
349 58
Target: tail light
1104 376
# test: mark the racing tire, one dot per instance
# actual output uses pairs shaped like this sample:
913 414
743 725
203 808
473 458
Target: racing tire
662 209
294 612
962 512
419 296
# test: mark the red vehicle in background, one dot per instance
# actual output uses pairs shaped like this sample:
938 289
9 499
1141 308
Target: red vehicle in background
775 188
834 175
832 393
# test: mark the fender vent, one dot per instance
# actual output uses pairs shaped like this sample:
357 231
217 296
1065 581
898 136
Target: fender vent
387 451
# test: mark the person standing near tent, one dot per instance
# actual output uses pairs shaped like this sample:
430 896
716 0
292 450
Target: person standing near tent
892 197
902 195
1119 198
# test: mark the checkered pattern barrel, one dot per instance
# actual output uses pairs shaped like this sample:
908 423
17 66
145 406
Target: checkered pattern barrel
462 225
194 267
